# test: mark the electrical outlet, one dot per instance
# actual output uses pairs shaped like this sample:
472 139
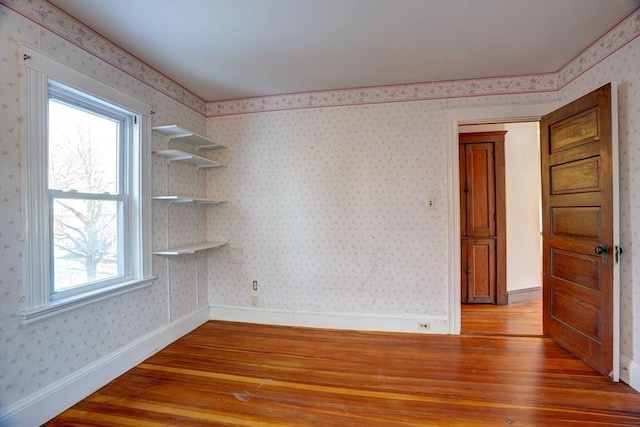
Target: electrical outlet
254 300
255 285
425 326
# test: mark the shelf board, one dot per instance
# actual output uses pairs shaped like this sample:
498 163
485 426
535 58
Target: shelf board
189 249
183 156
175 132
182 199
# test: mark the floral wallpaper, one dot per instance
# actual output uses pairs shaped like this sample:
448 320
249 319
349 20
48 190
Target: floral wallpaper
329 207
326 205
35 356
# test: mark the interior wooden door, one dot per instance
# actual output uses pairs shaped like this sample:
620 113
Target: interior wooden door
578 223
482 217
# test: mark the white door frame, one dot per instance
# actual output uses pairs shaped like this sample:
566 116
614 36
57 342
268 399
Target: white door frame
465 116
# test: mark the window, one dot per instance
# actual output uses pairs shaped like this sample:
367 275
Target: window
87 180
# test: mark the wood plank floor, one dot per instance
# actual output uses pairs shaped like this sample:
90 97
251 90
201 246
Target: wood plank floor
238 374
513 320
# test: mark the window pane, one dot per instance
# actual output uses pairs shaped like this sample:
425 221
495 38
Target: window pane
85 242
83 150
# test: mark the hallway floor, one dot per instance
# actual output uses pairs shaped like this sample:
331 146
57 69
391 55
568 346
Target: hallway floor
510 320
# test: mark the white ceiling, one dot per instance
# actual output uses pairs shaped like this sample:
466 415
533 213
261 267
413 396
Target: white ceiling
227 49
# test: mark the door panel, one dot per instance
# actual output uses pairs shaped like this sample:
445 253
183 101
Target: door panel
464 277
481 194
576 221
577 202
462 153
577 312
481 273
581 270
578 129
576 176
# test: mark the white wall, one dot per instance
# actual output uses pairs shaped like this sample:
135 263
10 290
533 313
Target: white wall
522 182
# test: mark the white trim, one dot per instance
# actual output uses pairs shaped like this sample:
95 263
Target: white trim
330 320
634 375
36 68
46 64
630 372
63 305
46 403
453 178
615 178
477 115
624 368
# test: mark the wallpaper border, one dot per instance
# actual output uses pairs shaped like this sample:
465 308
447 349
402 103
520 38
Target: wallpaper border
386 94
50 17
612 41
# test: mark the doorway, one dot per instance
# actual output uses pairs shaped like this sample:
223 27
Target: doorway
515 307
588 123
482 218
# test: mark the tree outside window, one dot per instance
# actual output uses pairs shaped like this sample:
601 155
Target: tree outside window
83 174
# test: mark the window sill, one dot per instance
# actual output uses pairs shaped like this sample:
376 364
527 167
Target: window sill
55 308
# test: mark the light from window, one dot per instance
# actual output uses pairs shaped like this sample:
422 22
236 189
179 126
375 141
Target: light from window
87 139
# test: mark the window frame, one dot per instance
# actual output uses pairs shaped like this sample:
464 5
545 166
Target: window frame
37 70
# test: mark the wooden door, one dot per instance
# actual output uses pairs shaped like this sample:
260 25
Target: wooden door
578 221
482 217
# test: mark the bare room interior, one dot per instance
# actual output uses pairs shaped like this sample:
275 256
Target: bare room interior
319 212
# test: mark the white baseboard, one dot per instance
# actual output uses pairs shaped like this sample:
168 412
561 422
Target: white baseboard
630 372
45 404
329 320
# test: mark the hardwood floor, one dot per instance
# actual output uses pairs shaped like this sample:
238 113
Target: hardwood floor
513 320
227 373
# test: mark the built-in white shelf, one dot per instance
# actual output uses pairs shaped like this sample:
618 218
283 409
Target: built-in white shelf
176 133
183 156
182 199
189 249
